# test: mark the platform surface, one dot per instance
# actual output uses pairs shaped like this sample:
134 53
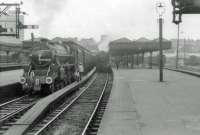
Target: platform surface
9 77
140 105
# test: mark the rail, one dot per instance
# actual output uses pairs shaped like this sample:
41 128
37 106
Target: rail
57 113
11 101
95 109
12 110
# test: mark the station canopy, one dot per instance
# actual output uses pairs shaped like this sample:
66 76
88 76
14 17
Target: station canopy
10 44
124 46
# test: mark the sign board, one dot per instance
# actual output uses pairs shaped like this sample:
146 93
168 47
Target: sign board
29 27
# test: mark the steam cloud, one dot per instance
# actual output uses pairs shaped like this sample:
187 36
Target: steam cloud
47 11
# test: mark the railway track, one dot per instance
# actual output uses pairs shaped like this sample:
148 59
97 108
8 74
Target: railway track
88 97
94 121
12 110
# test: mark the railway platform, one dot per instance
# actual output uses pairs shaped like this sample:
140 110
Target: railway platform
140 105
10 77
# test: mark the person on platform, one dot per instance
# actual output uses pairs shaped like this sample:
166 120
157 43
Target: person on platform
81 70
77 75
117 64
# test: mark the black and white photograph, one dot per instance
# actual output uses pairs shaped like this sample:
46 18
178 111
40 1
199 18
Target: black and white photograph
99 67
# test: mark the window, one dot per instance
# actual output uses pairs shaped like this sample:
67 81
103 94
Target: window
11 29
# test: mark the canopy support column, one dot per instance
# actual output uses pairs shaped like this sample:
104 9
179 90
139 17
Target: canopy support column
142 59
137 61
127 61
150 60
132 61
7 56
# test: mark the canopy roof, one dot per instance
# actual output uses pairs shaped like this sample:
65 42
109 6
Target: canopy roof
9 46
138 46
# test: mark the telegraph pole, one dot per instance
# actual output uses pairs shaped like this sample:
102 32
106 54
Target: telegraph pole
17 10
32 40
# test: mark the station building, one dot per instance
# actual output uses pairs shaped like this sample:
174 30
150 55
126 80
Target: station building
10 45
9 22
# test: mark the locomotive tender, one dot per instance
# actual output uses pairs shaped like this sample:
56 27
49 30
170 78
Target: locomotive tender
53 65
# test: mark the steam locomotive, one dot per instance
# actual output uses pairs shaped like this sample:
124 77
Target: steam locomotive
53 65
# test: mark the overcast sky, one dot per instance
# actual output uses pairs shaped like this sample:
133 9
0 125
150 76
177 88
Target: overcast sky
92 18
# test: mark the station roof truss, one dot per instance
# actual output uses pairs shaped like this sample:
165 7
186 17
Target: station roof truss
133 47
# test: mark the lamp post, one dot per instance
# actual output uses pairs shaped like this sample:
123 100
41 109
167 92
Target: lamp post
160 8
184 49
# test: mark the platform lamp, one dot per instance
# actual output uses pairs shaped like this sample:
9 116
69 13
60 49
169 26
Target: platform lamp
160 8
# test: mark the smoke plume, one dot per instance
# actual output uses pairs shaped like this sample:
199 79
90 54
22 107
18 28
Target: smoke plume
47 12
